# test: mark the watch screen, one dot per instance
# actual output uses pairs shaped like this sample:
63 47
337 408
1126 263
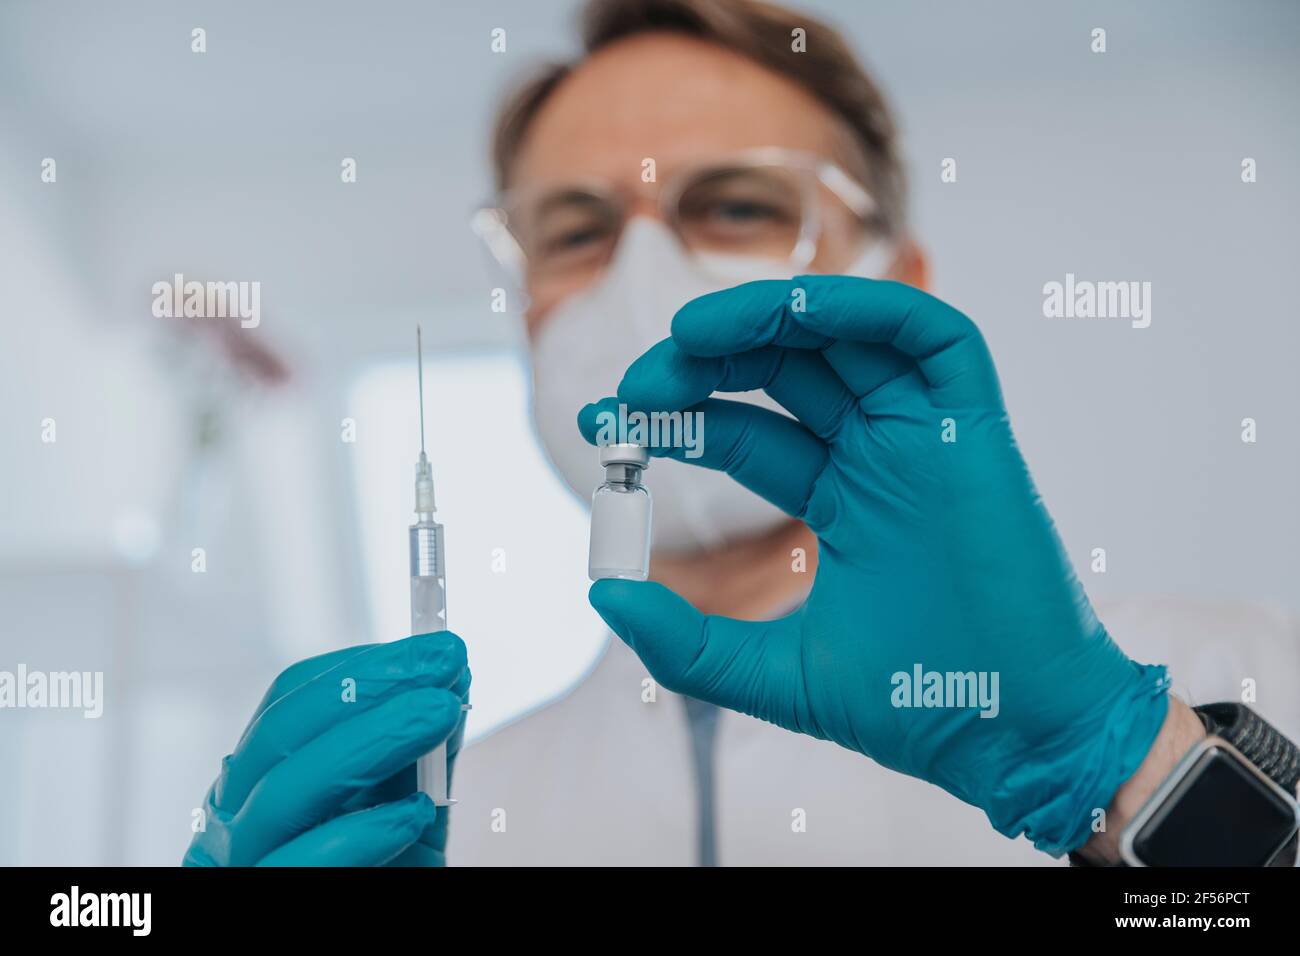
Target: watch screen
1219 814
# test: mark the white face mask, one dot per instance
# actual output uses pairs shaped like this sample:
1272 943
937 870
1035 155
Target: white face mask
588 342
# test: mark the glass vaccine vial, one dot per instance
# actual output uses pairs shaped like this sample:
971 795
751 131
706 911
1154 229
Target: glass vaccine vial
620 516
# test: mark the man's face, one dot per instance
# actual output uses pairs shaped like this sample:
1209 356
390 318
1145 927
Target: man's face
681 102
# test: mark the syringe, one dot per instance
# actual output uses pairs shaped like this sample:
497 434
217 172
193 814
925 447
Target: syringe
428 587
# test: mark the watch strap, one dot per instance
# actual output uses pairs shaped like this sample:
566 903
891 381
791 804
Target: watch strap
1258 741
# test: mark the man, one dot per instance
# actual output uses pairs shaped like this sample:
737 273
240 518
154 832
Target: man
695 146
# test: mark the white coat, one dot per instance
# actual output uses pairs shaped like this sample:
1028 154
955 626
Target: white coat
599 777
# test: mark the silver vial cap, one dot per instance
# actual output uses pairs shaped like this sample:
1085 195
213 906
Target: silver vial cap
636 455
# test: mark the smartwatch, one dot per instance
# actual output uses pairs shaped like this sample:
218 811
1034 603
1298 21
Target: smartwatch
1231 801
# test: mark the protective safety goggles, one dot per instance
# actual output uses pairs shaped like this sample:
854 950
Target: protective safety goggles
766 203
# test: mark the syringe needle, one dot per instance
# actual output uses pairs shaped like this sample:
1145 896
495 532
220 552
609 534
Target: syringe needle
423 471
419 361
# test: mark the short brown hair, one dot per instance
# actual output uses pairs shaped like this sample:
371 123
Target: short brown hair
761 31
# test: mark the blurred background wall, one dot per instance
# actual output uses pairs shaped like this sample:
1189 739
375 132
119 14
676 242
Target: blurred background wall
226 165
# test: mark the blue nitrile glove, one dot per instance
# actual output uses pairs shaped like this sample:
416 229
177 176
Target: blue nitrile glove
324 775
933 553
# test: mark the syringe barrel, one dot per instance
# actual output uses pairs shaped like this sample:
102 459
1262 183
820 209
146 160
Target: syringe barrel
428 579
428 551
428 605
428 615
